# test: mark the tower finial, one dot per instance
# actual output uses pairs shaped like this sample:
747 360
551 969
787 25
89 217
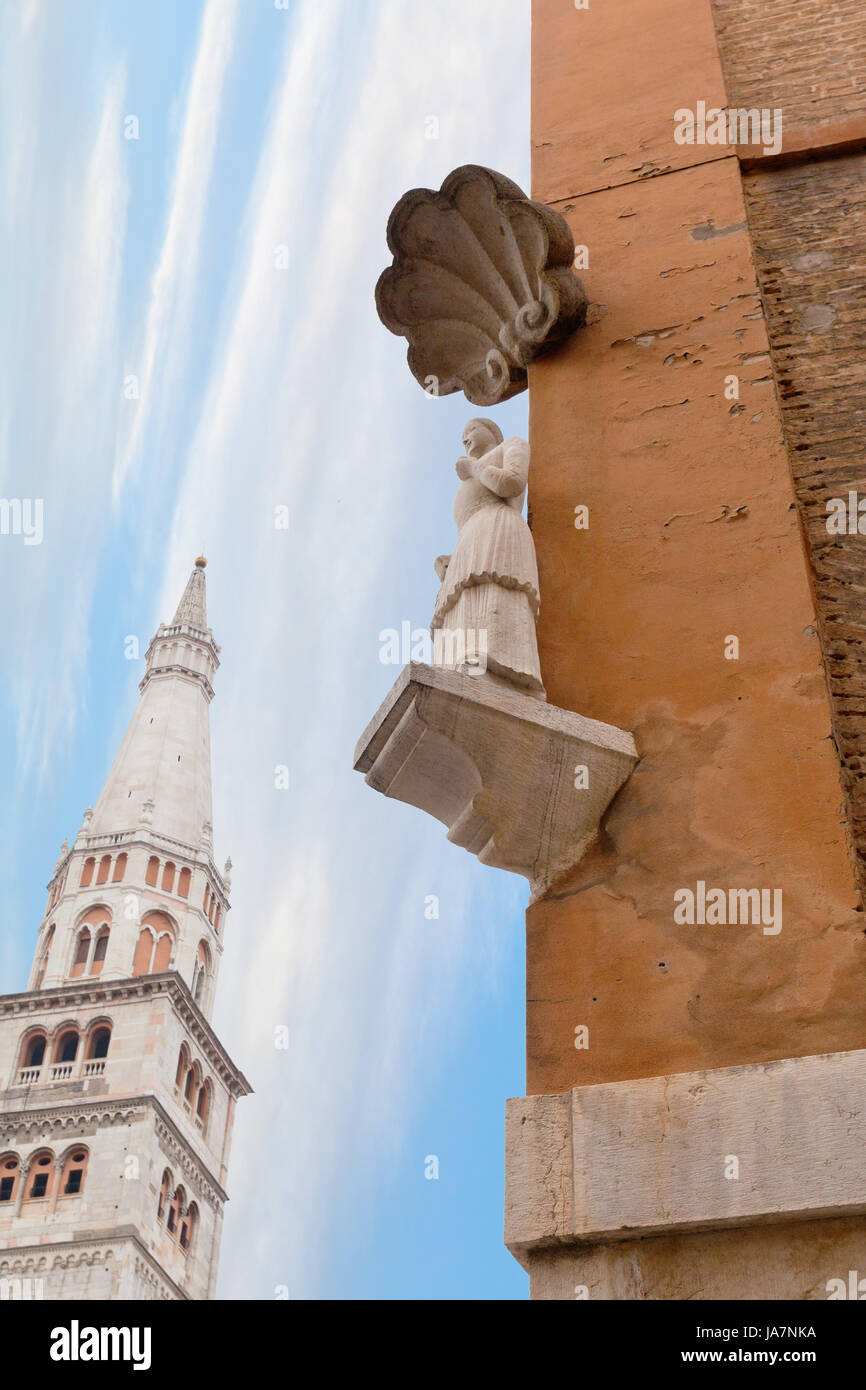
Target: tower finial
192 608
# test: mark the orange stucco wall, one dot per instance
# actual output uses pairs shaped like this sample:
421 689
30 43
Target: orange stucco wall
693 537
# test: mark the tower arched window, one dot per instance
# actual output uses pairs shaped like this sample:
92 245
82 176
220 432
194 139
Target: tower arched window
176 1202
98 1042
188 1224
182 1067
202 1108
87 873
42 963
82 953
165 1188
91 943
152 873
33 1051
155 945
168 877
143 952
66 1047
190 1090
74 1169
183 883
162 952
104 867
10 1172
119 869
39 1177
201 972
99 952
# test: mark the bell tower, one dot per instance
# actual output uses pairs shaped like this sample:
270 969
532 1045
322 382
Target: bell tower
116 1095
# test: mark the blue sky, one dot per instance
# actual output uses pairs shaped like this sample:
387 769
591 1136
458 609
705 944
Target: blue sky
265 136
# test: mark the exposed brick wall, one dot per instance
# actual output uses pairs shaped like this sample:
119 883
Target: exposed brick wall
806 56
808 225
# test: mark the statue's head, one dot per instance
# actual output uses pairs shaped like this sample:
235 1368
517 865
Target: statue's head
480 436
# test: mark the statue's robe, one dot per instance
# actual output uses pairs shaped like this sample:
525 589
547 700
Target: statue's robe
491 583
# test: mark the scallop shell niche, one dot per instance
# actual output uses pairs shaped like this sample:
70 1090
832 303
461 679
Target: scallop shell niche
481 284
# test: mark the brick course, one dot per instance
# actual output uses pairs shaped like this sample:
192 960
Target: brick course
806 56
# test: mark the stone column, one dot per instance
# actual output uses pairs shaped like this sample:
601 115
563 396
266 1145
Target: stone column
23 1174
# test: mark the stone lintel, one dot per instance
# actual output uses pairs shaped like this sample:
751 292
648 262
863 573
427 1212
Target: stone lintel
656 1155
497 767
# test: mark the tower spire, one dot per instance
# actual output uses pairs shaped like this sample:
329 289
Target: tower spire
162 773
192 609
113 1040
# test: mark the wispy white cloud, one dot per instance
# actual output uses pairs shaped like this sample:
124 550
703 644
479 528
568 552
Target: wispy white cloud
21 56
71 331
29 12
90 278
303 408
160 357
306 403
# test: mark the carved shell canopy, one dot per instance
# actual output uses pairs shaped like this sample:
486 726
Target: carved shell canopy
481 283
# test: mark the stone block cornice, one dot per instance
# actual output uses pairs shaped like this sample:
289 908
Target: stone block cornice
194 677
145 838
94 1248
104 993
25 1126
739 1146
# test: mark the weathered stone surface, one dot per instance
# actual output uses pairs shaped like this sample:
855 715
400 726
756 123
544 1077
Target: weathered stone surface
539 1181
480 285
606 82
792 1261
693 535
497 767
606 1162
662 420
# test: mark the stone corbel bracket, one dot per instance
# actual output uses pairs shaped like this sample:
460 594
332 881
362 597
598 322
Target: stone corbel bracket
501 770
481 284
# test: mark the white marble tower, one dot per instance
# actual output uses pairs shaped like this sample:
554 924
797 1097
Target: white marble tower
116 1096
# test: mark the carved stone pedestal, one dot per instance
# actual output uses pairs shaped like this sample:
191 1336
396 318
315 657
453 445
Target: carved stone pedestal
520 783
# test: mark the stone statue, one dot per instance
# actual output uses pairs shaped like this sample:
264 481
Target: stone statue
486 610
